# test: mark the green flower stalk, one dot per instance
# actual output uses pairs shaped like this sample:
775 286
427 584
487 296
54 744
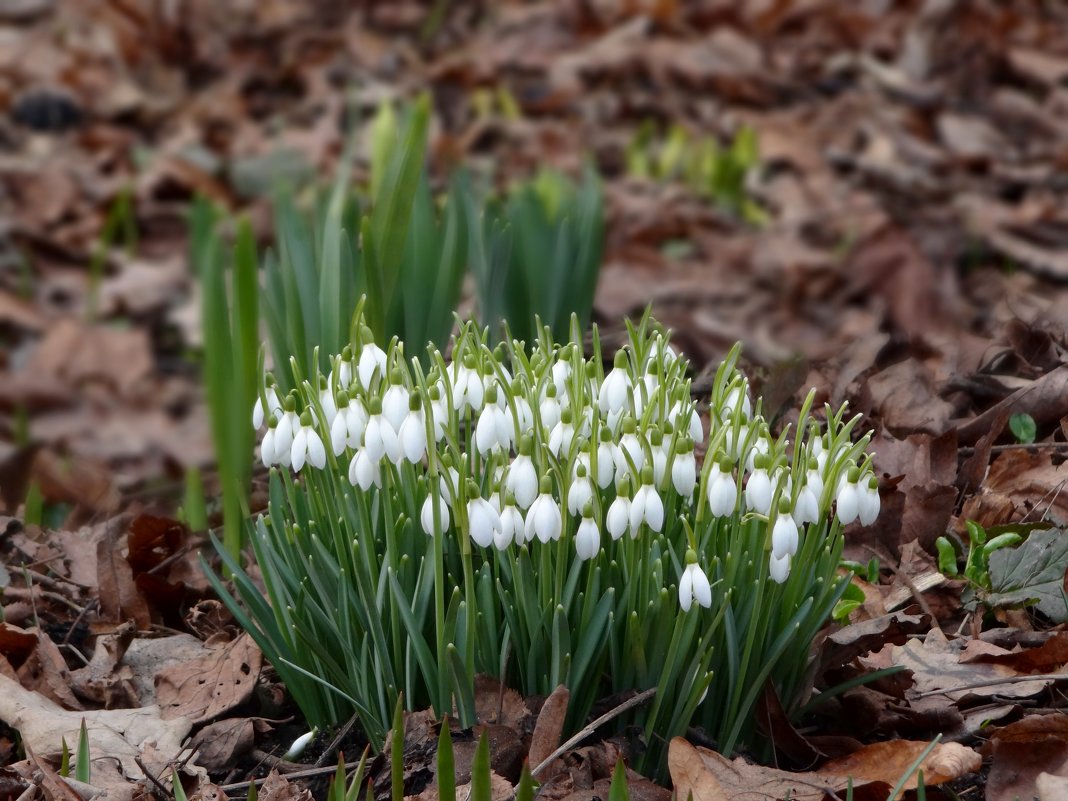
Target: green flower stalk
518 512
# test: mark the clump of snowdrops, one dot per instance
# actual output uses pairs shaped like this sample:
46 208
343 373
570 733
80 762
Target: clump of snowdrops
528 513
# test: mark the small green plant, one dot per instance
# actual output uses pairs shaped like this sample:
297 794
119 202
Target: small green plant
1023 428
425 523
539 256
1021 565
713 171
120 225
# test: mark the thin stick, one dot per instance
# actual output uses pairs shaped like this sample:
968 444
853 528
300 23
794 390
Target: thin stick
300 774
634 701
341 735
968 450
995 682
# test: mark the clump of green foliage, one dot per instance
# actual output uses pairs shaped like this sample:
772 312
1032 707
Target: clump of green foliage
712 170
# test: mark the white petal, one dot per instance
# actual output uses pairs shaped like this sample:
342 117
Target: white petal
779 569
267 454
316 451
426 514
848 504
702 590
339 432
618 517
654 510
784 537
686 589
299 449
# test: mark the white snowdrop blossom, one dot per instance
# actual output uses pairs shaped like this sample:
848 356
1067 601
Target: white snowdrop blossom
426 514
395 402
412 434
307 446
646 507
522 479
549 409
379 438
779 568
617 387
606 460
274 407
758 491
562 434
588 537
784 534
580 492
267 452
513 528
694 585
847 501
468 391
483 521
684 470
372 362
868 502
617 521
544 519
364 471
722 491
494 429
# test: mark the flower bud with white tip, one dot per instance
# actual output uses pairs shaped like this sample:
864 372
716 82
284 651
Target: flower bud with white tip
694 584
646 507
588 536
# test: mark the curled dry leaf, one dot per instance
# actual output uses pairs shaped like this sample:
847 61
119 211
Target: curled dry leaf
550 726
889 761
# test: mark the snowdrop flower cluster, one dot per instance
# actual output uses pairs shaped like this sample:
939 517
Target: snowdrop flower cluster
514 450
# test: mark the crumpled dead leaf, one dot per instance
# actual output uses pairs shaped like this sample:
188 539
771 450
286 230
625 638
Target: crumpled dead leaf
889 761
1025 751
203 689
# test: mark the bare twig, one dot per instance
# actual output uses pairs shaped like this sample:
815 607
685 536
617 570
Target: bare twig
634 701
1014 446
341 735
300 774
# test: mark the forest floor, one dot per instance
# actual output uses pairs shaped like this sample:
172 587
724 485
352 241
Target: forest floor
910 256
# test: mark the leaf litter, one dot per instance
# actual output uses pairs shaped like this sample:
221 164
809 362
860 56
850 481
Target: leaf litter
912 263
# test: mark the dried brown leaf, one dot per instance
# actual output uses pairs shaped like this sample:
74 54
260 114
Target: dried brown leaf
550 726
205 688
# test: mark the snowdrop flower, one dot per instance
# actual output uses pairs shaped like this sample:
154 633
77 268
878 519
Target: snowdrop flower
561 371
355 422
735 437
660 459
807 506
522 478
580 492
646 507
439 414
779 568
684 413
284 433
494 429
617 521
274 405
524 415
327 401
848 498
784 534
339 428
869 502
426 514
364 471
448 480
722 489
482 519
379 438
372 361
344 368
307 445
561 435
549 409
694 585
629 446
814 480
588 536
513 527
761 447
737 400
758 489
300 744
395 401
617 386
412 433
544 520
468 392
606 459
684 469
267 450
